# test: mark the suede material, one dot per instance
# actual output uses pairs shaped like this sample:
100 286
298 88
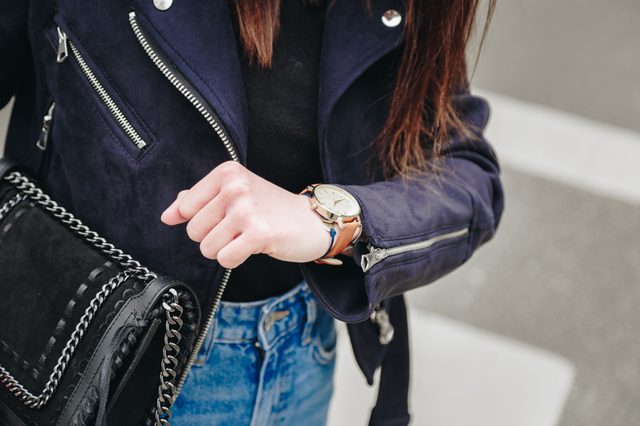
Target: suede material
392 404
353 41
204 51
15 45
467 194
90 170
88 175
34 328
90 156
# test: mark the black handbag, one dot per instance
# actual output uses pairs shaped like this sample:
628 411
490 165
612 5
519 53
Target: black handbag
88 335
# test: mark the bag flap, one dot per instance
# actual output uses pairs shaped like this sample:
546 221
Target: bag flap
48 278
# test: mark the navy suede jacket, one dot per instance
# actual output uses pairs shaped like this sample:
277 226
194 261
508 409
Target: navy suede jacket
143 103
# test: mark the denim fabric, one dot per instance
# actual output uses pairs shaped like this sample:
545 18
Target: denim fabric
267 362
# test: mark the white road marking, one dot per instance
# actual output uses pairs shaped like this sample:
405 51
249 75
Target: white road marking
567 148
462 376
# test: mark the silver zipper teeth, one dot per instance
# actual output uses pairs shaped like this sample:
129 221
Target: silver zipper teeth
377 254
106 99
175 81
168 73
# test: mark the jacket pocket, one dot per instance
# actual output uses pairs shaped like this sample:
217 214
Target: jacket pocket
377 254
69 52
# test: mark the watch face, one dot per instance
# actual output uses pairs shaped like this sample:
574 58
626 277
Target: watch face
336 200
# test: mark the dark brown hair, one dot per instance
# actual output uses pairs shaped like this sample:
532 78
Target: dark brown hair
432 67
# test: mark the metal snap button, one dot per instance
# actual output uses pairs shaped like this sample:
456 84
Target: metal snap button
391 18
162 4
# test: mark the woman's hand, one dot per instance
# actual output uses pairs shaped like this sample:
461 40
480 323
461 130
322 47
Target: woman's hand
234 213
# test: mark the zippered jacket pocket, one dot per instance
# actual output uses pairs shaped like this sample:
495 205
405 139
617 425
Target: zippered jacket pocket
69 52
378 254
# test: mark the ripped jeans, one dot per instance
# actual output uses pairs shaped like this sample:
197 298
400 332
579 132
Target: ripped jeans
266 362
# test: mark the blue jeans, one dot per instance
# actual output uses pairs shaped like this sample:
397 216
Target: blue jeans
267 362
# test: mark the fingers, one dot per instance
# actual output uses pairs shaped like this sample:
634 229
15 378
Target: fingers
208 187
219 237
237 251
190 202
230 246
216 211
206 219
233 199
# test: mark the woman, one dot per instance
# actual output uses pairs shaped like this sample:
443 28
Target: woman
188 133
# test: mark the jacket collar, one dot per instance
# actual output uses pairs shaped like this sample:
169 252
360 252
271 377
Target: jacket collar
198 38
353 41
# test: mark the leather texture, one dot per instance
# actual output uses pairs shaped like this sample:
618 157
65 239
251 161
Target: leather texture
344 237
48 278
6 166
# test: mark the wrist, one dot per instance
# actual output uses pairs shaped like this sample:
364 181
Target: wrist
319 232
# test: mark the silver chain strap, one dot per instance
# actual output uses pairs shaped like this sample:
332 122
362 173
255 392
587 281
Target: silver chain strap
132 268
6 208
167 391
26 186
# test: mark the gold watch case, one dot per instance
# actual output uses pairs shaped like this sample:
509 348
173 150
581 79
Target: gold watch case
333 203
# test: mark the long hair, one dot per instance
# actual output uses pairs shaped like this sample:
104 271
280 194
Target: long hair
432 67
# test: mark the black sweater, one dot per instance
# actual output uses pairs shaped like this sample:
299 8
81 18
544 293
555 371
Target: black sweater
283 143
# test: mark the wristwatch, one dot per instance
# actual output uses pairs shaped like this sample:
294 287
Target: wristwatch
336 206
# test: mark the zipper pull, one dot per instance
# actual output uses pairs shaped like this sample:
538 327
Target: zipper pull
380 317
46 127
63 50
375 255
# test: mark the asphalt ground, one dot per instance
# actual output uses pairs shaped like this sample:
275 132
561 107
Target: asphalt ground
580 56
562 274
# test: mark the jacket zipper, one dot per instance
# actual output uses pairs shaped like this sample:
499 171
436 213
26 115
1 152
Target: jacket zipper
379 316
64 45
183 87
41 143
180 83
377 254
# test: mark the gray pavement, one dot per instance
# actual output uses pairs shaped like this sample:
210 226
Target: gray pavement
580 56
563 273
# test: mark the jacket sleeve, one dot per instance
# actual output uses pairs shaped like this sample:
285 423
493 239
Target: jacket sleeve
417 232
14 45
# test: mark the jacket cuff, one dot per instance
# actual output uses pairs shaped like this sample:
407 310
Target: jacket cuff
341 289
